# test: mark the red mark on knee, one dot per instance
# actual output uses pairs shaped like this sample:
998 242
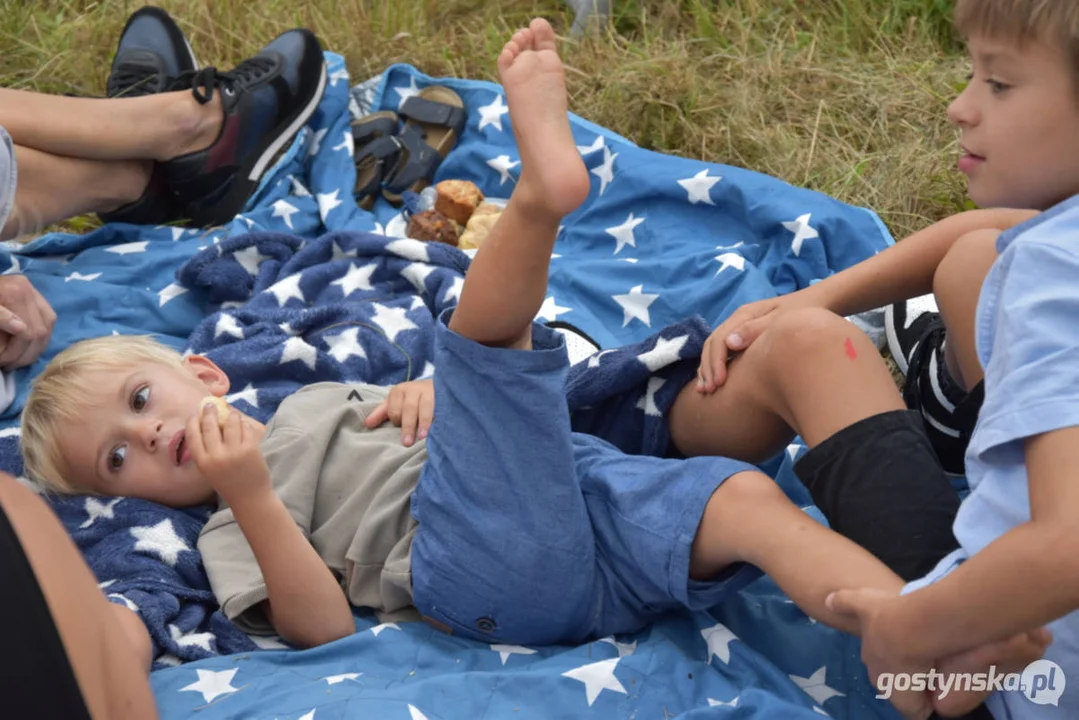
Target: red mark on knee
849 347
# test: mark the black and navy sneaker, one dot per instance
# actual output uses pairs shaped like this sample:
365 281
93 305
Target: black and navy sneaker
266 100
916 339
153 56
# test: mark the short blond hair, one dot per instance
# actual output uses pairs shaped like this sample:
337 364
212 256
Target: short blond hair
58 395
1024 21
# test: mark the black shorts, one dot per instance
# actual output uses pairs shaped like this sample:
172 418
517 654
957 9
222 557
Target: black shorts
36 679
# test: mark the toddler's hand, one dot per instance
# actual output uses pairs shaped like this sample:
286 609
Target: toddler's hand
228 457
410 406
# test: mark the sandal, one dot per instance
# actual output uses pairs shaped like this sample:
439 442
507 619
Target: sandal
434 120
374 147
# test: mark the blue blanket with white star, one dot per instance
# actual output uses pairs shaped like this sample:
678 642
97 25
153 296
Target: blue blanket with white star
304 286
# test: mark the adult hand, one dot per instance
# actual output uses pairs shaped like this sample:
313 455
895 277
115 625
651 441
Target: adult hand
26 322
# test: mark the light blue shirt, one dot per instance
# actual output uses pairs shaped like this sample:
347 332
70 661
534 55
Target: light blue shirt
1027 335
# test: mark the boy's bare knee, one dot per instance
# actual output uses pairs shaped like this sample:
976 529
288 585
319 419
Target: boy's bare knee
726 533
801 333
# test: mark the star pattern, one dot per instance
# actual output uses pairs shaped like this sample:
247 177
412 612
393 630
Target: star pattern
733 260
345 345
699 187
358 277
339 74
249 395
227 325
635 305
648 400
392 321
550 309
76 275
335 679
802 231
131 247
296 349
212 684
409 249
287 289
250 258
504 651
406 92
328 201
597 144
665 352
502 165
96 509
191 639
492 114
816 687
285 210
377 629
719 639
170 292
597 677
161 540
623 234
605 172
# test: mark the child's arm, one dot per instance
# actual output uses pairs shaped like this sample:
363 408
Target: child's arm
307 606
903 271
1025 579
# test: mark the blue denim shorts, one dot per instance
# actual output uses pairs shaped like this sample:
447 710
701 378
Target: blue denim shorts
8 176
530 533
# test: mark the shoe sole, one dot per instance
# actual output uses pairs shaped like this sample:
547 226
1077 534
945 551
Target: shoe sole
893 340
234 203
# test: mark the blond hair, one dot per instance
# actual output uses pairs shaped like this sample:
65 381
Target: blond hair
1024 21
58 395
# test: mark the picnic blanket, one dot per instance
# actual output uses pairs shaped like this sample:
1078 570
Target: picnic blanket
304 285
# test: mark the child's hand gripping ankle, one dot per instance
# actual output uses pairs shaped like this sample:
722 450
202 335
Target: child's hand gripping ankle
410 406
884 651
227 454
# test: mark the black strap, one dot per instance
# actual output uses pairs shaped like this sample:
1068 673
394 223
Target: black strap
380 153
434 113
418 161
367 129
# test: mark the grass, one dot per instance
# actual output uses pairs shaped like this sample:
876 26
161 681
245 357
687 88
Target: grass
847 97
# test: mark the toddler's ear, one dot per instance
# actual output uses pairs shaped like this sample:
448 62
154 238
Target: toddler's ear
207 371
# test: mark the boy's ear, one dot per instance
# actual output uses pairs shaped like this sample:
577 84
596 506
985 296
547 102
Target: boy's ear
207 371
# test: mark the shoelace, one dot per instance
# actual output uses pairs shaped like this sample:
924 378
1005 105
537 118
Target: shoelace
247 73
927 344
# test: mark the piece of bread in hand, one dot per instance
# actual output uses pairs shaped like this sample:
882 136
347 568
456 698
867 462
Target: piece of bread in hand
457 199
432 225
222 407
479 225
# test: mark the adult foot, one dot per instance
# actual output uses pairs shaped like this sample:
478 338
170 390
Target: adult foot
265 101
553 176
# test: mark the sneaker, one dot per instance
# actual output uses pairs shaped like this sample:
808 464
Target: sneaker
916 338
153 56
266 100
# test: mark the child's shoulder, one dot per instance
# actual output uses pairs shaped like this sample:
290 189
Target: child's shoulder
1056 228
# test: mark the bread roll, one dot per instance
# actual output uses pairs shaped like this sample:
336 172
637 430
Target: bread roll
222 407
432 225
479 225
457 199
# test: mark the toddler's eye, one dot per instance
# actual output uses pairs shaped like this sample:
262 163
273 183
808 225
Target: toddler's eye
116 457
140 398
997 87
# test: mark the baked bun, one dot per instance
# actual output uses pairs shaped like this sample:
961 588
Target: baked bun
222 407
457 199
432 225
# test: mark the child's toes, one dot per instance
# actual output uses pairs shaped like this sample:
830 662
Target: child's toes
506 58
523 38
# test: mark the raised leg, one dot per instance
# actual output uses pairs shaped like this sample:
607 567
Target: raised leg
957 285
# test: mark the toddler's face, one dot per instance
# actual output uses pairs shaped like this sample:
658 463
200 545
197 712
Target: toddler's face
1019 119
130 442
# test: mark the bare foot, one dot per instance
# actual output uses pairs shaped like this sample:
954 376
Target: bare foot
1007 656
553 176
